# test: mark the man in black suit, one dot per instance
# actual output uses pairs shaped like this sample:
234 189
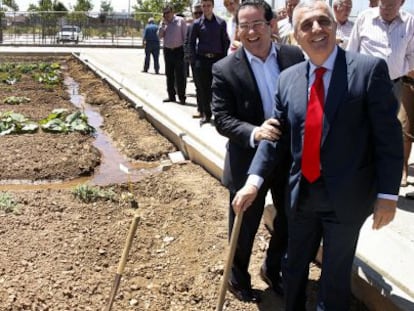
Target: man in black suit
243 99
208 43
344 138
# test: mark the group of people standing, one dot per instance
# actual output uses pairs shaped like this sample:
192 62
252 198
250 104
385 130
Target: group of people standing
313 118
308 101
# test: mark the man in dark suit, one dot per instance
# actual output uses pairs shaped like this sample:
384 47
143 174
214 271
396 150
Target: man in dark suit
243 99
208 43
344 139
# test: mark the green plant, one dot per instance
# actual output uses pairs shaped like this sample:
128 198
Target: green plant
16 100
88 194
15 123
8 204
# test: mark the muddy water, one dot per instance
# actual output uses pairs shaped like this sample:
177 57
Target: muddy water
111 159
114 167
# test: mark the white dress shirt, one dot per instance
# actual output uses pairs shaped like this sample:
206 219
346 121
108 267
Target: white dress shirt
394 42
343 31
266 74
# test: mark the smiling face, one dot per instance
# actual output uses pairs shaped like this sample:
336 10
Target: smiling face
254 31
315 31
207 8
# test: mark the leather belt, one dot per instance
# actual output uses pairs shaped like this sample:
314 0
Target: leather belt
211 55
173 49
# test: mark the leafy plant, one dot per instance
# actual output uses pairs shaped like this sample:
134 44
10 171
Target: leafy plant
7 203
16 100
88 194
61 122
15 123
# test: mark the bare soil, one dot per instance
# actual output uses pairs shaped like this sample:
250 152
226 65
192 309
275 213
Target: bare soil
59 253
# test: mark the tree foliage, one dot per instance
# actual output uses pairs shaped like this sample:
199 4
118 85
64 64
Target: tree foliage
155 7
11 4
83 6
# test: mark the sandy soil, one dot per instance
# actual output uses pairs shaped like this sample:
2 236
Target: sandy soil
59 253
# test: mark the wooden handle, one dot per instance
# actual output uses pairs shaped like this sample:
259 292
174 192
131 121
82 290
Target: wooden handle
128 243
230 256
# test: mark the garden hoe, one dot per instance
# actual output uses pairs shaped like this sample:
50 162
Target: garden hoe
230 256
127 247
122 262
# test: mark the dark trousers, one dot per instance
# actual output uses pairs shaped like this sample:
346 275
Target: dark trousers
175 72
203 70
250 224
313 220
152 48
197 86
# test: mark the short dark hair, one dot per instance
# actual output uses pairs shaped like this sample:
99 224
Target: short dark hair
268 13
212 1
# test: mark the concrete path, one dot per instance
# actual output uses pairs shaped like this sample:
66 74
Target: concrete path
385 258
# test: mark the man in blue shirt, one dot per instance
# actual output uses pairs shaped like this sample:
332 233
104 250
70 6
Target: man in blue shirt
151 43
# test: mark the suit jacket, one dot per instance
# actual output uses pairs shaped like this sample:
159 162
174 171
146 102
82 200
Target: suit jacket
361 147
238 109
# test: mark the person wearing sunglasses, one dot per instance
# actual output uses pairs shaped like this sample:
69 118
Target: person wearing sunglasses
209 43
243 96
197 13
344 139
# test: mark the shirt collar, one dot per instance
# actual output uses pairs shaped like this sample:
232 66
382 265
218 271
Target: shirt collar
251 57
328 64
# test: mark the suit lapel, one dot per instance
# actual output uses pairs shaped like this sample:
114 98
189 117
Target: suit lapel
301 96
248 84
337 88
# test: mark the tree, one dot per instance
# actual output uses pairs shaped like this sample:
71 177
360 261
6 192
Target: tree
106 7
155 7
83 6
11 4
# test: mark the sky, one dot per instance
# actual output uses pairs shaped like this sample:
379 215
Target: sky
122 5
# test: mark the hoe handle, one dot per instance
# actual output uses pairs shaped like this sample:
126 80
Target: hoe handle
230 256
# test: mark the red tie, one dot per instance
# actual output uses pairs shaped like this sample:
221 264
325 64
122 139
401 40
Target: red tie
311 157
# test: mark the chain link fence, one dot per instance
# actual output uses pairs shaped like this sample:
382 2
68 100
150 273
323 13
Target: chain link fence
92 29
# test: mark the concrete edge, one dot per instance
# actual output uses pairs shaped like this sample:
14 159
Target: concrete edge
365 283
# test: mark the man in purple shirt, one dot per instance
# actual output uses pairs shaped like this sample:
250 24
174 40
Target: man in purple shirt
173 30
209 43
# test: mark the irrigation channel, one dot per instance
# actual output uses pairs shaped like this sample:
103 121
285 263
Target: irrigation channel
114 167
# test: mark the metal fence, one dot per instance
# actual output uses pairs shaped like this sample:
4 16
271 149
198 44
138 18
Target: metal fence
97 29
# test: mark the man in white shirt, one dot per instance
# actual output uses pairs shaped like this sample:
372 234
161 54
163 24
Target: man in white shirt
387 32
285 25
342 10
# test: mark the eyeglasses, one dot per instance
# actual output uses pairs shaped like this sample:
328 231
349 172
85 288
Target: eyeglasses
323 22
256 26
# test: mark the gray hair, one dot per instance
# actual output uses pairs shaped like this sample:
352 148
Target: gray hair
309 4
338 2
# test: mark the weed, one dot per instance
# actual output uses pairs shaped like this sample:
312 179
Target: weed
88 194
7 203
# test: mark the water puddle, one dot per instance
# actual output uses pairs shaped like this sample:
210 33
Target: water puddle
108 172
111 159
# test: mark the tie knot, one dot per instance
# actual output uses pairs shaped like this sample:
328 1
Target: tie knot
319 72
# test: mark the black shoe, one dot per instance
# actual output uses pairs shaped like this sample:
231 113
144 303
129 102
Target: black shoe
274 283
182 101
144 71
204 121
244 294
167 100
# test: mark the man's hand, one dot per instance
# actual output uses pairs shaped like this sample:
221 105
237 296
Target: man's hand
244 198
384 212
270 130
